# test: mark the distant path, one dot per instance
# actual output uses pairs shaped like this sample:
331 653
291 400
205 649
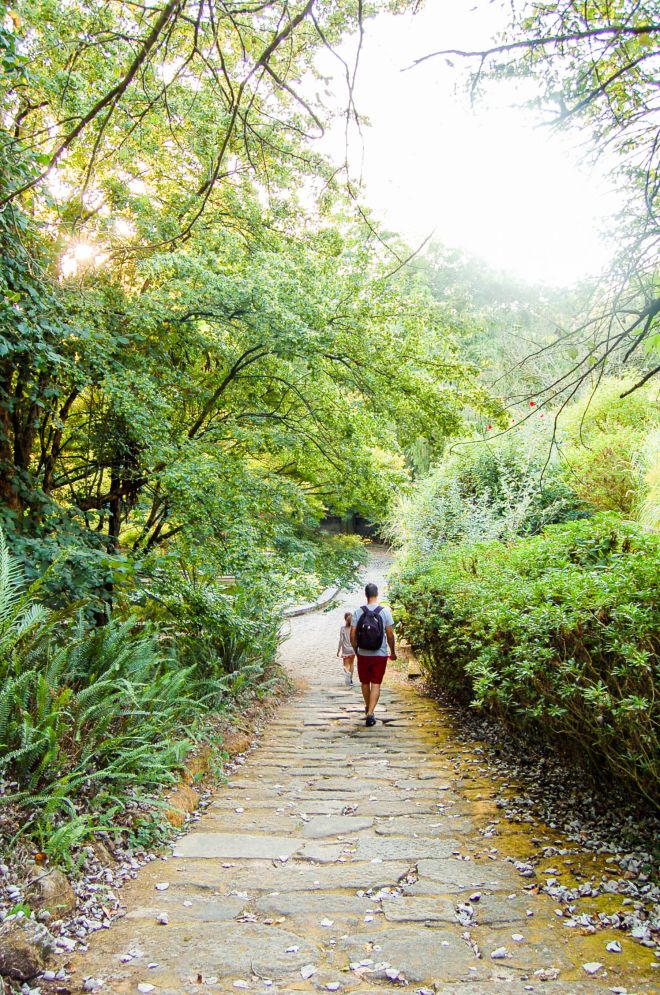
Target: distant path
309 654
342 858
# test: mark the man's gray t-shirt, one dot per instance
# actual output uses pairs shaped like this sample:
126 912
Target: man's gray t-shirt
386 616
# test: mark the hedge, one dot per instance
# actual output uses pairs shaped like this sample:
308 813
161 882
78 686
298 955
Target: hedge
557 636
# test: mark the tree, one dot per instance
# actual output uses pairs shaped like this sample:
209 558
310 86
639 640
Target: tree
228 352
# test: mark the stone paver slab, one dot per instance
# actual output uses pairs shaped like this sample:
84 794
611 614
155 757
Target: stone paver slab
336 825
257 876
438 874
253 822
225 950
227 845
402 848
313 906
403 909
429 825
203 909
422 954
320 853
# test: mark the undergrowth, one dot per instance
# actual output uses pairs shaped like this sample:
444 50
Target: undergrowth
94 721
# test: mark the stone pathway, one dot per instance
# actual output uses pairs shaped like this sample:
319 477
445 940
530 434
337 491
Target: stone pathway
348 859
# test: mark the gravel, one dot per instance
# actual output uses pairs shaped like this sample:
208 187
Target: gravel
594 818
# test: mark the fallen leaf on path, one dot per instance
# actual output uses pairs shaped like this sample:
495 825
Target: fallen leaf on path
547 973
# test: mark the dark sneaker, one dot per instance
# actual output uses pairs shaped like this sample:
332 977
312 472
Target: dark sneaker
371 720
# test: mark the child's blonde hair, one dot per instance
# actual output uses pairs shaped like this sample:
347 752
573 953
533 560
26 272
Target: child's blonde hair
348 618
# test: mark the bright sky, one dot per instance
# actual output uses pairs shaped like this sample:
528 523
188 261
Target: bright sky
490 179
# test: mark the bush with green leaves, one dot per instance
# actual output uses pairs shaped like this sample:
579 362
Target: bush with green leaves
610 452
91 718
223 626
485 491
555 635
214 629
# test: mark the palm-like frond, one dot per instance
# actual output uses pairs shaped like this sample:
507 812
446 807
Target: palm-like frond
20 615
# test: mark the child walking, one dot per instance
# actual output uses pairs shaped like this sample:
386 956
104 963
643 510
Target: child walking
345 649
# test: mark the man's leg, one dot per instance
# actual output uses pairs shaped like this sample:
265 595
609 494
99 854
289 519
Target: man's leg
374 695
366 694
377 673
364 679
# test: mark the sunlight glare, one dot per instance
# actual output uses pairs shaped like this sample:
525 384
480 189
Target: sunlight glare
491 179
81 256
124 228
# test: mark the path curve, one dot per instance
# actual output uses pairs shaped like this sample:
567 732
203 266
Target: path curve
348 859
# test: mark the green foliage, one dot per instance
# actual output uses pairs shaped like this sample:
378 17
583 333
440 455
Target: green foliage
103 714
171 383
610 452
484 490
556 635
215 631
21 618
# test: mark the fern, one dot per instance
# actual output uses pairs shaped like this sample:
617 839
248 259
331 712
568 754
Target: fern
97 717
20 616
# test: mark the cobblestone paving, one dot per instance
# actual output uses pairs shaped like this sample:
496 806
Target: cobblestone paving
348 859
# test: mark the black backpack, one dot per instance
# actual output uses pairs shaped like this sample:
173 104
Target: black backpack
369 630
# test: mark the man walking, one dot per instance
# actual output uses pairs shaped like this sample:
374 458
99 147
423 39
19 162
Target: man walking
372 637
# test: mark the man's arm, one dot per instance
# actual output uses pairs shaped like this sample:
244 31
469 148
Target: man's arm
354 637
389 632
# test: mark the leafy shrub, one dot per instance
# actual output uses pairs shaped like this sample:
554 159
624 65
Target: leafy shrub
485 491
610 451
103 714
556 635
215 629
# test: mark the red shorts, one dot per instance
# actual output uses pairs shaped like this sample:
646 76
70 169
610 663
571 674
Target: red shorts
371 669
